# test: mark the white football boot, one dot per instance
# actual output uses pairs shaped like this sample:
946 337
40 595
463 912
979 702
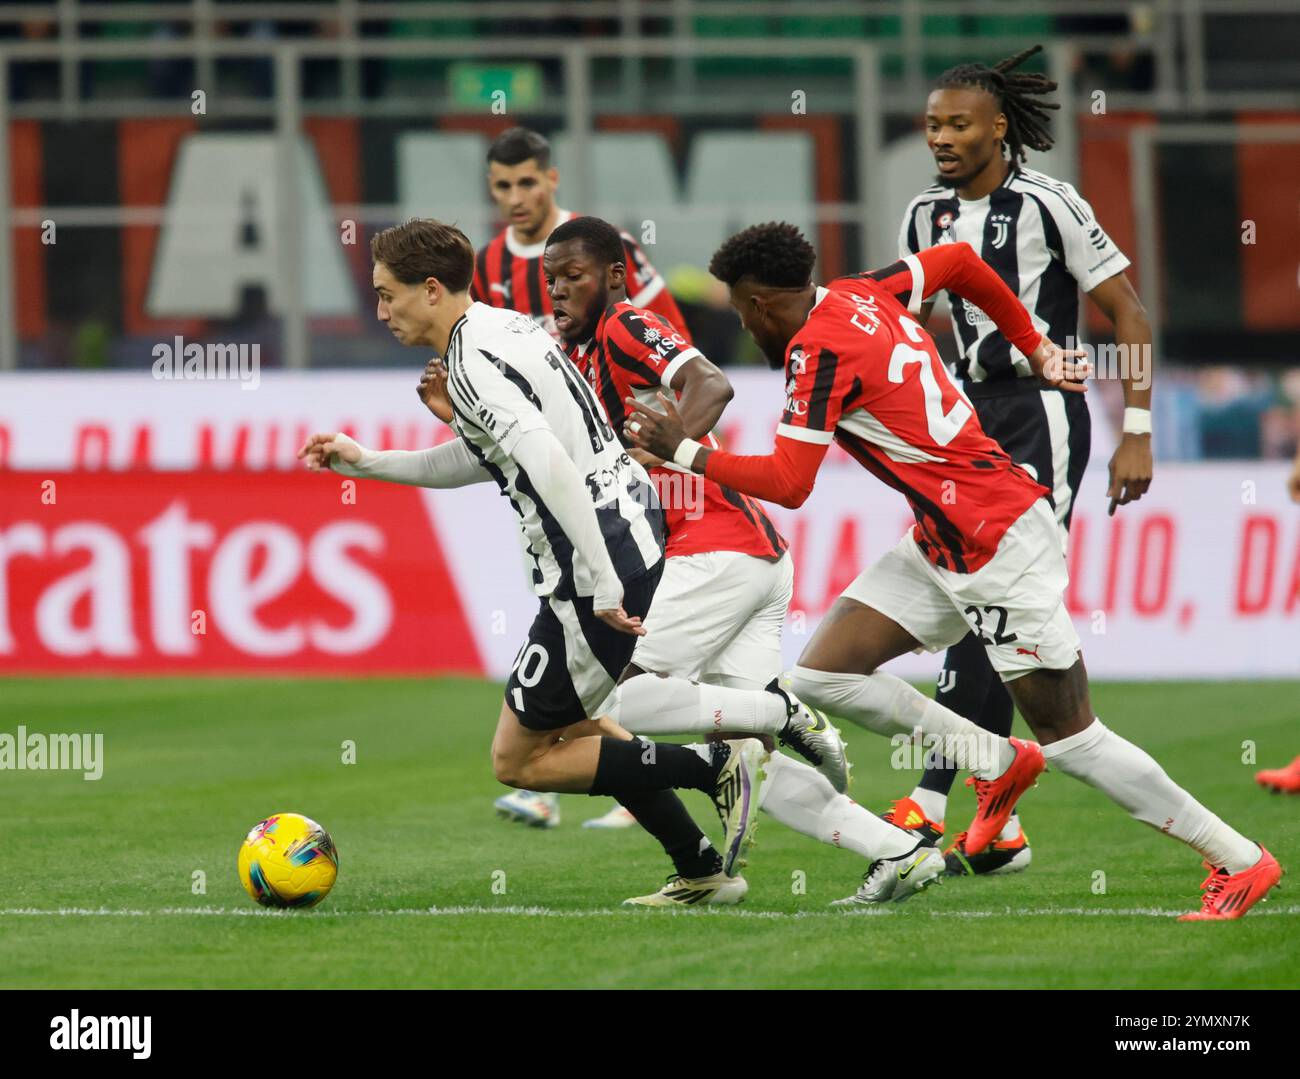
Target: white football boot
810 734
735 797
717 890
892 880
618 817
531 807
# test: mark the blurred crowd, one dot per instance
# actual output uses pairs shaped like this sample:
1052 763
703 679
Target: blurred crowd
1120 66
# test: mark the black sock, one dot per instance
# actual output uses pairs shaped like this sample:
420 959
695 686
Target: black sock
662 814
637 766
971 688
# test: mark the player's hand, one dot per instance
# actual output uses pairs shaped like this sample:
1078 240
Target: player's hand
1130 471
433 389
644 457
1061 368
622 621
659 432
318 449
1293 484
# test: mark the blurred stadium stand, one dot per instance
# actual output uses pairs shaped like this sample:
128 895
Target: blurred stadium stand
129 213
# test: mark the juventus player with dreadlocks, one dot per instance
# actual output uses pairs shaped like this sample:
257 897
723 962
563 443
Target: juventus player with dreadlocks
1045 243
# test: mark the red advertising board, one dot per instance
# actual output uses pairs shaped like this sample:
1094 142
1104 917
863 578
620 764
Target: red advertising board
219 571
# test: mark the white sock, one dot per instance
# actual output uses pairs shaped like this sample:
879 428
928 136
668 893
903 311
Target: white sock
653 704
888 705
1130 777
800 797
933 804
1012 828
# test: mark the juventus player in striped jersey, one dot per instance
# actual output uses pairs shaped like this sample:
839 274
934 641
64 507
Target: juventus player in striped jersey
589 523
508 271
1043 240
984 555
719 609
508 274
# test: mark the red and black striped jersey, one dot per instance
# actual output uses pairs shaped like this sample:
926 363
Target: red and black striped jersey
863 372
509 274
636 353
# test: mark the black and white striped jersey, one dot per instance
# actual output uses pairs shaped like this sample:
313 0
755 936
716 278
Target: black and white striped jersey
506 376
1044 242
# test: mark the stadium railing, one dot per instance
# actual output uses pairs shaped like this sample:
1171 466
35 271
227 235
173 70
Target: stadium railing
869 98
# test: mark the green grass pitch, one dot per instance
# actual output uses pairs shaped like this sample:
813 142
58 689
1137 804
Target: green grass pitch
96 877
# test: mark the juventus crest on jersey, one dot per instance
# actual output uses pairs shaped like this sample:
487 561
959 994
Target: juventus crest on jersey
506 377
1042 239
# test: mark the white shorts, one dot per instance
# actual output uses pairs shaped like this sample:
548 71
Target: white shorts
1015 603
717 617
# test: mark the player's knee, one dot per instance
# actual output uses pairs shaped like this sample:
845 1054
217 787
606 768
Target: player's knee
510 770
869 700
823 689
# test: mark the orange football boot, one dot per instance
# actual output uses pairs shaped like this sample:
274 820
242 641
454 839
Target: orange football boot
996 798
1230 895
1281 780
909 816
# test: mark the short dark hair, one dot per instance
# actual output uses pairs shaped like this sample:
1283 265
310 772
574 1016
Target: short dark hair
422 248
775 254
517 145
600 238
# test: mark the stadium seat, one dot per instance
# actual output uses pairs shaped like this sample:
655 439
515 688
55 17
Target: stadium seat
443 175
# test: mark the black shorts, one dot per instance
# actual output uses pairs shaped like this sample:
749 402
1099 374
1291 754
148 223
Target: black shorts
1047 432
572 659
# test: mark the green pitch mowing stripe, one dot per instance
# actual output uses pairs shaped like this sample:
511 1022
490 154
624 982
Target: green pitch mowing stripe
130 880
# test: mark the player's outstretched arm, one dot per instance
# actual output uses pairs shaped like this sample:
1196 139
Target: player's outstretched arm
448 465
555 477
784 476
957 268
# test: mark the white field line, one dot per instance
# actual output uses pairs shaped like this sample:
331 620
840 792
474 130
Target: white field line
613 912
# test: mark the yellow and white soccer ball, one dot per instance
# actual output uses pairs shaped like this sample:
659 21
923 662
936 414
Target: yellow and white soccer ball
288 860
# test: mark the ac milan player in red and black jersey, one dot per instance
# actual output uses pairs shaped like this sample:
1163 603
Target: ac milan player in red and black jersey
984 555
508 270
715 623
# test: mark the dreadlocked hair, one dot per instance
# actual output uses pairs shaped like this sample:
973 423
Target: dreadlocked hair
1026 118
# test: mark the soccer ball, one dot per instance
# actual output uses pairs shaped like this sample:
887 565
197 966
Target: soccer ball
288 861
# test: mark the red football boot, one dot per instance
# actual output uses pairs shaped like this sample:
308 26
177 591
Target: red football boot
996 798
1281 780
1230 895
